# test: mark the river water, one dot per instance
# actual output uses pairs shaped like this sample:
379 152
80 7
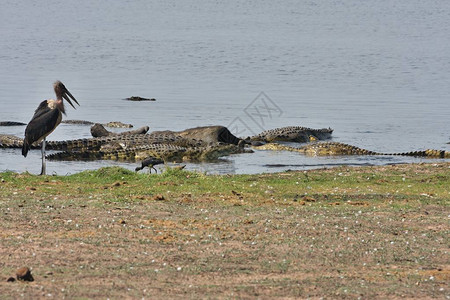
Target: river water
377 72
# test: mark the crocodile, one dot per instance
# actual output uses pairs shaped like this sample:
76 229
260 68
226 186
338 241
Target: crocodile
163 151
336 148
11 123
95 144
166 152
98 130
12 141
137 98
117 124
125 141
297 134
77 122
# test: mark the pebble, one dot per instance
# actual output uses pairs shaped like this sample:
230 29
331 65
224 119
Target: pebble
24 274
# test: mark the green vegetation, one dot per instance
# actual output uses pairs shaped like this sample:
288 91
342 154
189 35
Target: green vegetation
342 232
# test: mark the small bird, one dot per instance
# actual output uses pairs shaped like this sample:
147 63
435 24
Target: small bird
150 162
46 118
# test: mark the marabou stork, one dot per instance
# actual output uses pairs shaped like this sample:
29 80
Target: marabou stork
46 118
150 162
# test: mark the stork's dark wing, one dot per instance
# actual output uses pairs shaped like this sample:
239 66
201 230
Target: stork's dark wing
44 121
42 109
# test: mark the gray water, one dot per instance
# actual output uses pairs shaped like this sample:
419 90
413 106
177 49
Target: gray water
377 72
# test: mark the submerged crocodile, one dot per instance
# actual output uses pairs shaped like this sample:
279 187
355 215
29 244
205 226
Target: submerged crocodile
115 124
11 123
297 134
336 148
77 122
137 98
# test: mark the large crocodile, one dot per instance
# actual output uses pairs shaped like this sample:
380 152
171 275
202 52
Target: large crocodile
297 134
95 144
336 148
166 152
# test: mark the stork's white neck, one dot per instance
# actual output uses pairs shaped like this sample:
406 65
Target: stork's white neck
58 103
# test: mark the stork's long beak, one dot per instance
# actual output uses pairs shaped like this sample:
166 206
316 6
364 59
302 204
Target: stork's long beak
66 95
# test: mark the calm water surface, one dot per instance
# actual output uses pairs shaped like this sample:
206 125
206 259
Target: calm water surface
377 72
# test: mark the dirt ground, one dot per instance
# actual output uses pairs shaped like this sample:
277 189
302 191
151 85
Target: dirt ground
224 245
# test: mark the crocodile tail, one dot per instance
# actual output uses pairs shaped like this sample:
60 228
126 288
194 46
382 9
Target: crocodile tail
437 153
359 151
430 153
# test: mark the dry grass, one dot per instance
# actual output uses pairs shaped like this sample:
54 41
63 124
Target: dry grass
376 232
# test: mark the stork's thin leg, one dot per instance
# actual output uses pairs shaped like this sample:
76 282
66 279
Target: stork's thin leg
43 157
156 171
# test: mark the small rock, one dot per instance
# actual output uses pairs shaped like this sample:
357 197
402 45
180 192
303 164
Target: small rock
24 274
122 221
